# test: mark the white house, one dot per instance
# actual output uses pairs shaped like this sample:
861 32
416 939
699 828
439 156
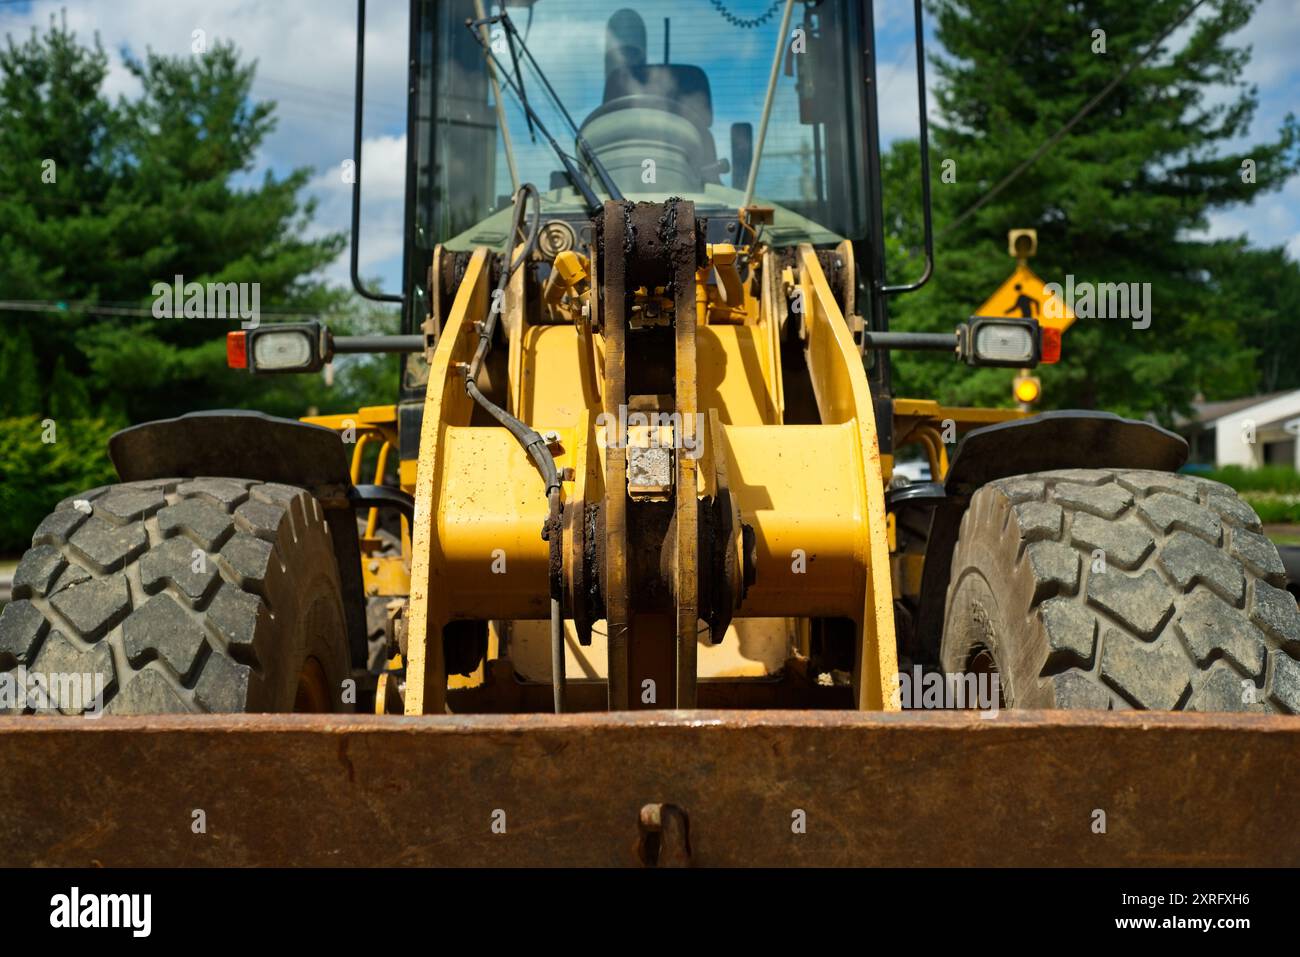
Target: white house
1254 431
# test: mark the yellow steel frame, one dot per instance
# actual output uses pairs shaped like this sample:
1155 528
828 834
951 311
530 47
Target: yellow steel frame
844 398
819 530
925 422
813 494
382 575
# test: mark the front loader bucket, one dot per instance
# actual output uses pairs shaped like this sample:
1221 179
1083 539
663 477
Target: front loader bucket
703 787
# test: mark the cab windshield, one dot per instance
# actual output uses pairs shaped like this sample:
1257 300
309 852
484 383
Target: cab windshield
669 96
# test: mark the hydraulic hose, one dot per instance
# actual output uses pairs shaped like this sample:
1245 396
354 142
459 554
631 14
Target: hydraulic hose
557 614
512 262
532 441
529 438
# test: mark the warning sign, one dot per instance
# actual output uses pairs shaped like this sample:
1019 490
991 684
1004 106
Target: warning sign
1024 296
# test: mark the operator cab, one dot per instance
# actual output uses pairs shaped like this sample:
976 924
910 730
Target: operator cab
656 112
667 95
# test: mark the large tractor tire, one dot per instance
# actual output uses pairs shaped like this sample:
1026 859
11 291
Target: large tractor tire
186 595
1107 588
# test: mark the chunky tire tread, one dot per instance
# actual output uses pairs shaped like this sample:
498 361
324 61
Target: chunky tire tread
186 595
1107 588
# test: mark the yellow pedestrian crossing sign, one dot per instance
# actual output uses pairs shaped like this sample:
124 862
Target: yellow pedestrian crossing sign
1024 296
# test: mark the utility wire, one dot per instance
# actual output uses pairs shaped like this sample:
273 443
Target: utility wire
897 65
1069 125
95 309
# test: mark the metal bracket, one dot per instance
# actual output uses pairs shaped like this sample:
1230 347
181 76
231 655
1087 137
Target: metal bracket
665 838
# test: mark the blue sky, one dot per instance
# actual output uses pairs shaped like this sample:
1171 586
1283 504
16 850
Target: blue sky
306 48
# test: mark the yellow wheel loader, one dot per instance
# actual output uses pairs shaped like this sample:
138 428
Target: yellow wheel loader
630 563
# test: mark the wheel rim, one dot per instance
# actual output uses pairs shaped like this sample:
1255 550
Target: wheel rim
981 662
313 690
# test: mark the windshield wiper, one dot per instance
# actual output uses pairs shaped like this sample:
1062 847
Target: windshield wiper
523 98
515 82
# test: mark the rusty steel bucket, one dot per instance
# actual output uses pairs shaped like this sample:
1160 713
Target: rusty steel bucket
769 788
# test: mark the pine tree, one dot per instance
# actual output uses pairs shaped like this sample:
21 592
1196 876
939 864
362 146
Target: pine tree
101 200
1115 200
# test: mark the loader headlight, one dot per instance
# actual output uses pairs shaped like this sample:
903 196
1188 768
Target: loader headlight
999 342
286 347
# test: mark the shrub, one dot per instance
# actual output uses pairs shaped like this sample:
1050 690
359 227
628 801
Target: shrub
1267 478
1274 509
35 475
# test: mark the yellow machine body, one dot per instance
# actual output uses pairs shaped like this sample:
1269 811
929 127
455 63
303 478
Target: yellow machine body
812 493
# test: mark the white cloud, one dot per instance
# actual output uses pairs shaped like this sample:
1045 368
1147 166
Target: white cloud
383 196
1270 221
305 52
1273 35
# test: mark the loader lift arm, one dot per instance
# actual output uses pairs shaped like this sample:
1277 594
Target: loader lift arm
712 521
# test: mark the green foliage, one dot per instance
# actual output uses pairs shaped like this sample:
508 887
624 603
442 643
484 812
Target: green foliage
35 475
100 201
1274 509
144 190
1261 288
1266 478
1115 200
1273 491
